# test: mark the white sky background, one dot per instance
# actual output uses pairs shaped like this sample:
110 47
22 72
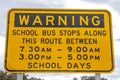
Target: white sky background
112 5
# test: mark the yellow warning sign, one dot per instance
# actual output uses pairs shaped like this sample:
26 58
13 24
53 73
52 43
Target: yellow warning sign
59 40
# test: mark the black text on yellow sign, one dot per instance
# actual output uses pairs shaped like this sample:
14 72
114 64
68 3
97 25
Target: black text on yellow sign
56 40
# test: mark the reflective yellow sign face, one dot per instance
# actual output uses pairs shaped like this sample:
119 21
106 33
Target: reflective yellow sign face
59 40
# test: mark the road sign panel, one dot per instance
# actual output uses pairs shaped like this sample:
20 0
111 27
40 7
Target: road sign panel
59 40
